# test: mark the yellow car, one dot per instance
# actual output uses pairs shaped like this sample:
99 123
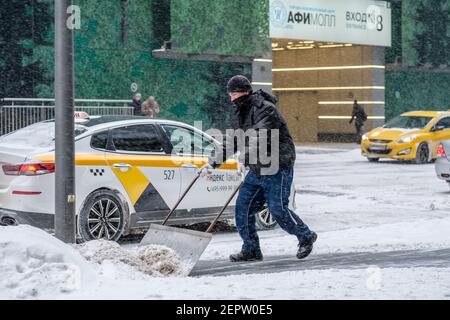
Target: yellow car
412 136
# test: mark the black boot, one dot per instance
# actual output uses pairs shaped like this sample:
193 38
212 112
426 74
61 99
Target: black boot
253 255
305 248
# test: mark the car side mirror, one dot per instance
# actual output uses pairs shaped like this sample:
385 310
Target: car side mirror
437 128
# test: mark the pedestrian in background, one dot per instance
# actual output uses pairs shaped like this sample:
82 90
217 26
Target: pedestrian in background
137 104
150 108
360 115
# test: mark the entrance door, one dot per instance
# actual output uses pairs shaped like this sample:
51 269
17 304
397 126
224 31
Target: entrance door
288 107
308 114
301 112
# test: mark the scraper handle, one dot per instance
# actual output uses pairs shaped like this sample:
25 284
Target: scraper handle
213 224
181 199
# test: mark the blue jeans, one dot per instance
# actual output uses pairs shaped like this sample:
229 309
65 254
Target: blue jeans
275 190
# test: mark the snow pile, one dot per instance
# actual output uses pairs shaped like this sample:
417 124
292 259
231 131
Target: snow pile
155 261
35 265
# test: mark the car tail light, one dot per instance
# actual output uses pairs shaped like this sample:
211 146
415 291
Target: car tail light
29 169
441 151
11 170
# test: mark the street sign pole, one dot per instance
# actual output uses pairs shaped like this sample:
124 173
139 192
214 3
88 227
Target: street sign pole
65 225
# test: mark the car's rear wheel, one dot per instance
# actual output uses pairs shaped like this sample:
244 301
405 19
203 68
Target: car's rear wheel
373 159
102 217
422 154
264 220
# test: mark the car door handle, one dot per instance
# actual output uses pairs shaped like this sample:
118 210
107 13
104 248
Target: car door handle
122 166
189 166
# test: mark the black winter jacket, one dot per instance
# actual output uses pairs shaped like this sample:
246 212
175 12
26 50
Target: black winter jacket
258 111
359 114
137 107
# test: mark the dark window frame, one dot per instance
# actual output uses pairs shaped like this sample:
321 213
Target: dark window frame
108 132
112 148
445 118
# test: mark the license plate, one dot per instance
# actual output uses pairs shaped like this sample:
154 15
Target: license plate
378 148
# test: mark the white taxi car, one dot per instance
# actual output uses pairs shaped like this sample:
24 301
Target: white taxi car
129 172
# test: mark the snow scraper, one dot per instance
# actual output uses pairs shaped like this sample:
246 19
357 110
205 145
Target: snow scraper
187 244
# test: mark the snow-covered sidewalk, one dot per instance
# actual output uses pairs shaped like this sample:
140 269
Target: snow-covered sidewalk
37 266
416 235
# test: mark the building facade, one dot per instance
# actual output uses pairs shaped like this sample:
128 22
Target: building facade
183 53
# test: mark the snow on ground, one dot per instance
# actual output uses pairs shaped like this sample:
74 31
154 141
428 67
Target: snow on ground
34 265
421 234
343 190
371 283
152 260
37 266
352 204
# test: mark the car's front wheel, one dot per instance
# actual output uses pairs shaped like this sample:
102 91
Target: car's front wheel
422 154
264 220
102 217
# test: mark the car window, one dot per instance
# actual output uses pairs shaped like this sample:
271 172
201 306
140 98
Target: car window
100 140
444 122
138 138
408 122
188 142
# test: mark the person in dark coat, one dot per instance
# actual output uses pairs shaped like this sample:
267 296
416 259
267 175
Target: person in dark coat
360 115
137 104
256 112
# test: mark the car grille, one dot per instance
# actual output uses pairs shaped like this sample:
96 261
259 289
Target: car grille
381 141
387 151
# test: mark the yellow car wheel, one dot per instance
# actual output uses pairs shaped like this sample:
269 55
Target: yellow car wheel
422 154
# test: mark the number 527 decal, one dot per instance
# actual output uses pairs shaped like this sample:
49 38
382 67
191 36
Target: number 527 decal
169 174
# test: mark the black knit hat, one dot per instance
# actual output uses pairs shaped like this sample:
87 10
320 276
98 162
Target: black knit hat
239 84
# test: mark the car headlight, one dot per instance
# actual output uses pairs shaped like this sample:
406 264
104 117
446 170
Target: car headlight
407 139
365 137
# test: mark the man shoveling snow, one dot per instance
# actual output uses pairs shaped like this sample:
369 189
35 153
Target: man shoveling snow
257 112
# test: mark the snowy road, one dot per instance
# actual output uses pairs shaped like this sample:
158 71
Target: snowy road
361 260
357 206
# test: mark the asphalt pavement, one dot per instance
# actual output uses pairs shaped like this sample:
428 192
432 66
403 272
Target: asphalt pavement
353 260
